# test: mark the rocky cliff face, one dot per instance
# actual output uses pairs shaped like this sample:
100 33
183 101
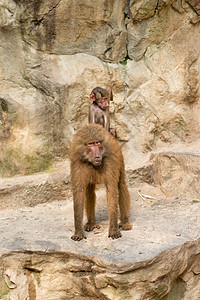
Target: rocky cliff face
54 52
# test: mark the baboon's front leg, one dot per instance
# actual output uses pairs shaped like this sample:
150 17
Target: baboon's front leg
78 199
90 208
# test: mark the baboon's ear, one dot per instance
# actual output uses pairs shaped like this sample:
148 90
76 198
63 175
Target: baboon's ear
92 97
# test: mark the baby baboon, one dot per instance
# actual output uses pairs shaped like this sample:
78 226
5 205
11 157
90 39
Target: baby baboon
99 109
96 158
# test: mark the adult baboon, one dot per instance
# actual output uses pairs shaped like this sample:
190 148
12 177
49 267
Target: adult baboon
96 158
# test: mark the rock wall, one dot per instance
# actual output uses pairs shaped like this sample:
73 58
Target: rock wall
26 275
54 52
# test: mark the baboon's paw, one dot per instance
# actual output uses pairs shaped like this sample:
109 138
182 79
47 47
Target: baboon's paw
115 234
126 226
78 237
91 226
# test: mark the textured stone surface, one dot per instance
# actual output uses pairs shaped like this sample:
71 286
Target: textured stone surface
52 54
49 226
65 27
36 249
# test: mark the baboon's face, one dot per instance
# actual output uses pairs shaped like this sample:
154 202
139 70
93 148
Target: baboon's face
94 152
102 102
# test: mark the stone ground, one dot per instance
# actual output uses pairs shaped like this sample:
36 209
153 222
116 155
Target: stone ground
158 224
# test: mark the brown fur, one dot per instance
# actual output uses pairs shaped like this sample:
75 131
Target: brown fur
84 177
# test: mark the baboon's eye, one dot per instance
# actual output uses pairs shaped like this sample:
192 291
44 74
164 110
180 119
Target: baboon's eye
97 143
90 144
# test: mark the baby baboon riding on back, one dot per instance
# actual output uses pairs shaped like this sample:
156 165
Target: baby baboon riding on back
96 158
99 108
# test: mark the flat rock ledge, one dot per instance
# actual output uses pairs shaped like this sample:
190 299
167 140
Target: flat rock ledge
157 259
